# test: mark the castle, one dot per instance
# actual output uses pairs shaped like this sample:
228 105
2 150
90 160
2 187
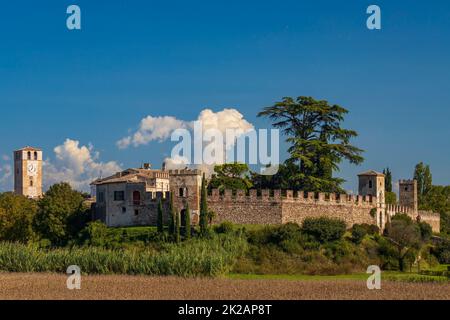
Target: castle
131 197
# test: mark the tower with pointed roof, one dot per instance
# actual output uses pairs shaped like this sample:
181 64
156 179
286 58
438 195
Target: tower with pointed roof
28 172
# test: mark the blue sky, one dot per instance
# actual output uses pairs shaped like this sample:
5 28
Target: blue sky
138 58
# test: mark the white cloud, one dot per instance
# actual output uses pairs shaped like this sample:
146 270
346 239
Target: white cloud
77 165
161 128
151 129
223 120
5 173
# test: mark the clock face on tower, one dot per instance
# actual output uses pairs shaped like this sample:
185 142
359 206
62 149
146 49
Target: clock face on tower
32 168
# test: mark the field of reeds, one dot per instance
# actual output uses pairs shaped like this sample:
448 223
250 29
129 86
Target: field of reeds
192 258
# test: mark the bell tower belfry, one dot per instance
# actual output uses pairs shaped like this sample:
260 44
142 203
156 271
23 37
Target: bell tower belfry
28 172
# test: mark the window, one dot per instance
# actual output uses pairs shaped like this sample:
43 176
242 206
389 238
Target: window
136 212
101 197
124 210
406 188
35 155
370 184
29 155
17 155
119 195
136 198
31 182
183 192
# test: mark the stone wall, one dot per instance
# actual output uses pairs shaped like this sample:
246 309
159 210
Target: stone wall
432 218
277 208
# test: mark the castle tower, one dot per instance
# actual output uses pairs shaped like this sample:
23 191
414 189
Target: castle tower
408 194
371 183
28 172
185 185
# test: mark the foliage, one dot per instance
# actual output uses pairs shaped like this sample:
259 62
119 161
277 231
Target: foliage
225 227
177 227
16 217
324 229
203 207
391 198
187 220
172 216
425 231
234 176
160 222
388 180
95 234
318 143
358 233
437 199
442 251
193 258
405 236
424 179
58 209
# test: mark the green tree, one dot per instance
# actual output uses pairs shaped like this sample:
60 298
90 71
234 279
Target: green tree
160 222
59 206
187 222
177 227
387 180
318 143
422 174
172 215
405 235
233 176
16 217
203 207
324 229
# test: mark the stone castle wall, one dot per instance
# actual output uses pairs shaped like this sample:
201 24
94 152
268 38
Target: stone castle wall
432 218
281 208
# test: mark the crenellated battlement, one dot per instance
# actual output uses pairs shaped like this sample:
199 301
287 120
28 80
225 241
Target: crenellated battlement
291 196
185 171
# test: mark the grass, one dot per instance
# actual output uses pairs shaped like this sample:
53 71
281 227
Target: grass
193 258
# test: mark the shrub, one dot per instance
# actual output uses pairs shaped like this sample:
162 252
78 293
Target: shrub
224 227
324 229
425 231
358 233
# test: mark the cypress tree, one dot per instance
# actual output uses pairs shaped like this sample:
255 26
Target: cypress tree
177 227
203 208
160 222
187 226
172 214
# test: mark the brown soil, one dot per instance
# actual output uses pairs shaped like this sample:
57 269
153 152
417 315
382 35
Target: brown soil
53 287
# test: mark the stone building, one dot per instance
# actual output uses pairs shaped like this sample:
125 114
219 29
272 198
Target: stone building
131 198
28 172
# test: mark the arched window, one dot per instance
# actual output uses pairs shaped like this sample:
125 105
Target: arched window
136 198
31 182
29 155
370 184
35 155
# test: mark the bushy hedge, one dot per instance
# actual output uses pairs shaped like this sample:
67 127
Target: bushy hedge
193 258
324 229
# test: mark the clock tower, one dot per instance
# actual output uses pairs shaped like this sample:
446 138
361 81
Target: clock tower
28 172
